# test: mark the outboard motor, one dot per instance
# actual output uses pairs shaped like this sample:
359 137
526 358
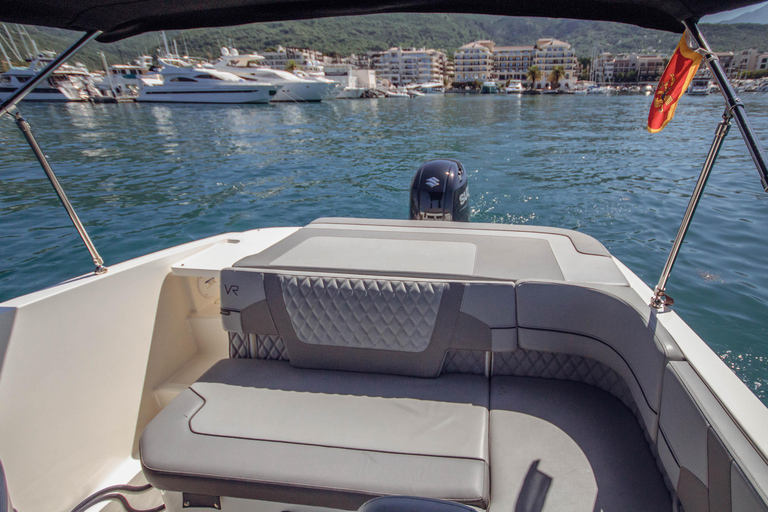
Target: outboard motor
439 191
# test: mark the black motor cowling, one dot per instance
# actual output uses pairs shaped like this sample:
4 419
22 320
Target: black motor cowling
439 191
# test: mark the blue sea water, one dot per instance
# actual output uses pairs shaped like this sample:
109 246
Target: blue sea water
146 177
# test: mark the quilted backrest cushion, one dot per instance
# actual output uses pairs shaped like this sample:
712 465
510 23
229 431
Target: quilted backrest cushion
394 326
397 325
377 314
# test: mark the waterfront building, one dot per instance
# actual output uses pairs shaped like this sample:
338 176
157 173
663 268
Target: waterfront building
746 60
550 53
309 60
638 68
512 62
403 66
483 60
762 62
602 67
473 62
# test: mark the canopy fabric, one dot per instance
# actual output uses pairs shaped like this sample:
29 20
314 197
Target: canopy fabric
118 19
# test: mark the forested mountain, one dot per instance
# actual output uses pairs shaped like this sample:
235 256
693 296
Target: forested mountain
343 36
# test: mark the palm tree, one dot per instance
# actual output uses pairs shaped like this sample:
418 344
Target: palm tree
554 77
533 75
292 66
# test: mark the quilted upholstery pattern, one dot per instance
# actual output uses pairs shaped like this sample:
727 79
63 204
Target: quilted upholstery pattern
464 361
532 363
362 313
239 345
268 346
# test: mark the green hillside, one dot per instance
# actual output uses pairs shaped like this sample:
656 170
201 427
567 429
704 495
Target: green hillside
343 36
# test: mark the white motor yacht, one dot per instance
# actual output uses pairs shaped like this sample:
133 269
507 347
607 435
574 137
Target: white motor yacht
372 365
68 83
432 88
127 78
700 87
346 76
184 83
293 88
515 87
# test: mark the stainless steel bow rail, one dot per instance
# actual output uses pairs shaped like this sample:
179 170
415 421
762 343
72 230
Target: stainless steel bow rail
8 105
734 110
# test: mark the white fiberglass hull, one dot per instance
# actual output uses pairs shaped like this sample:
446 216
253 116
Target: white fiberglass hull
42 93
303 92
229 94
88 363
350 93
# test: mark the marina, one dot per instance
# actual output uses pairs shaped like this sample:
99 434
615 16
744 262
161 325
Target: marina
442 304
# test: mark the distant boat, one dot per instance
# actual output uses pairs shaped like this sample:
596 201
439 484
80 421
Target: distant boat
489 88
397 94
293 88
126 78
515 87
699 88
183 83
68 83
432 88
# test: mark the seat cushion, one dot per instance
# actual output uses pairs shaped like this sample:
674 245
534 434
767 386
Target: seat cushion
266 430
572 445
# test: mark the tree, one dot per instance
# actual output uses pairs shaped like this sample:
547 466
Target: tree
533 75
292 66
555 75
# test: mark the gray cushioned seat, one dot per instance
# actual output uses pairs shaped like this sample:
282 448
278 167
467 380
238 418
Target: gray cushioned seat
582 438
265 430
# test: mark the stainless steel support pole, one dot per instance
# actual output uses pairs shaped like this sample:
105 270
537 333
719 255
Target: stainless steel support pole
733 102
660 298
26 130
21 93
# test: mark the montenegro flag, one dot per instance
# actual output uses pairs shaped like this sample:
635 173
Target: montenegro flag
673 84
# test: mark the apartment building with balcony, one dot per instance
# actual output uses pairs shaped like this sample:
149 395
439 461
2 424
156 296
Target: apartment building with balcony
403 66
748 60
483 61
512 62
636 67
550 53
473 62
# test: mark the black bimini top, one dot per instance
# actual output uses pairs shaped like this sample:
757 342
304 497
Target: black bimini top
118 19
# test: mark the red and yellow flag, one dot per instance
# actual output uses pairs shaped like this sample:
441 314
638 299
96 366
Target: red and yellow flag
672 85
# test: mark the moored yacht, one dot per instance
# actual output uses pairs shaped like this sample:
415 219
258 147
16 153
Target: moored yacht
184 83
489 87
514 87
127 78
68 83
370 365
293 88
700 87
432 88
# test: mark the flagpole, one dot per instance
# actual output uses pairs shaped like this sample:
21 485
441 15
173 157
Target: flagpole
734 104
